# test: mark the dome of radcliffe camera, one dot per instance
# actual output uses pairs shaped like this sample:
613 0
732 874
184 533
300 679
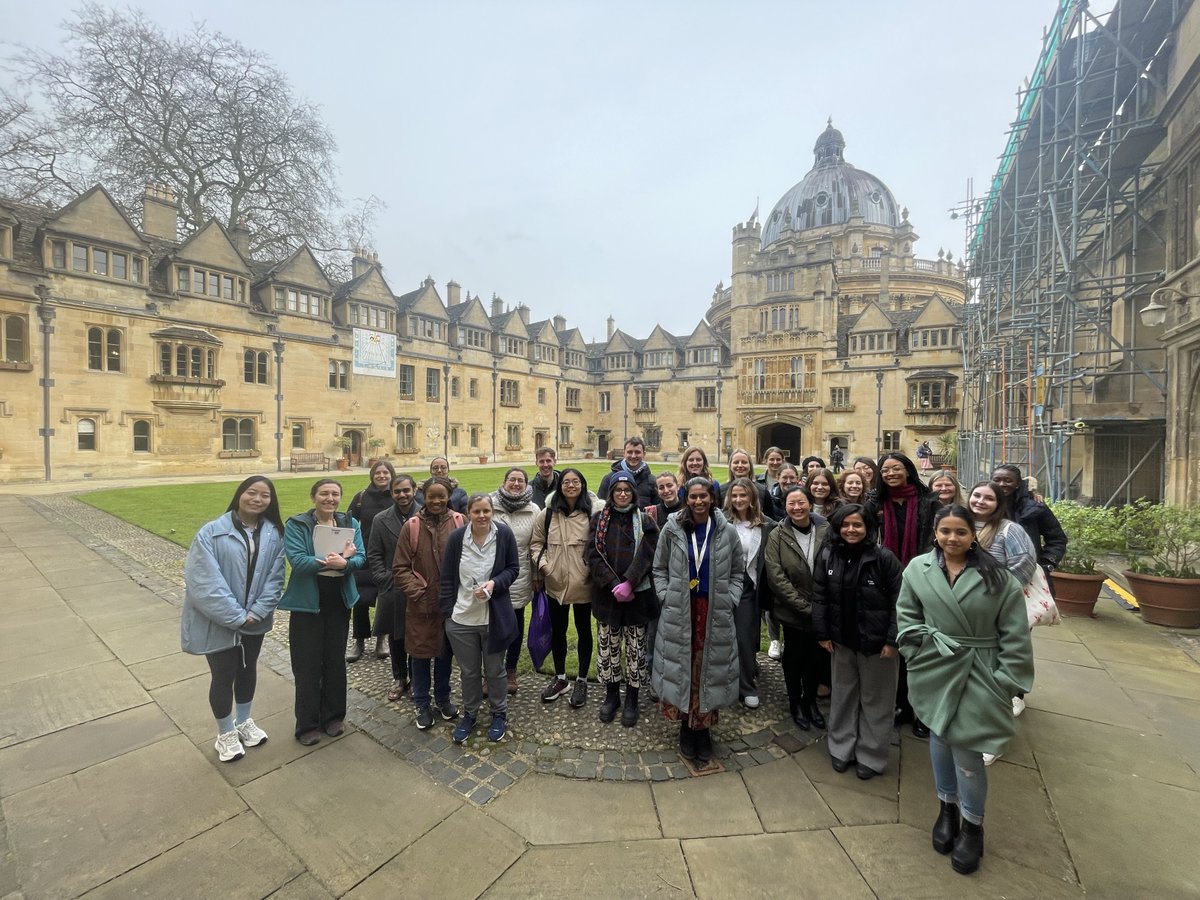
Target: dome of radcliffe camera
831 192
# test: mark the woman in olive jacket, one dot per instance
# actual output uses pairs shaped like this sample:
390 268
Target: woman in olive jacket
855 586
791 552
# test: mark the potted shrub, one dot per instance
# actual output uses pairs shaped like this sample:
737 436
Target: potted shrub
945 451
1163 552
1092 531
374 445
342 444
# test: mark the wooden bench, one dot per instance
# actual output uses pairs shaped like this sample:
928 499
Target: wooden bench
303 461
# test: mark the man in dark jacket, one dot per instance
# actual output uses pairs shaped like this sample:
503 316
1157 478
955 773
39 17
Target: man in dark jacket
391 605
635 464
545 482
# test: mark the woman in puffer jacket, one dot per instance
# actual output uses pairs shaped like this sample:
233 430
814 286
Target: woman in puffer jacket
514 507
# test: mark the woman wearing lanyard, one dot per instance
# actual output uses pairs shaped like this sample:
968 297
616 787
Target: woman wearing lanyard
698 571
232 581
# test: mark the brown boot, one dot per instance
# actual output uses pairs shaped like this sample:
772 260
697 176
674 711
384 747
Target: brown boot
512 682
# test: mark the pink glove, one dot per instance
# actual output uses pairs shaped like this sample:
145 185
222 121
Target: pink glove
623 592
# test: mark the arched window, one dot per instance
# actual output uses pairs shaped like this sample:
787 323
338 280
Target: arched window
85 434
406 436
255 366
16 339
141 436
237 434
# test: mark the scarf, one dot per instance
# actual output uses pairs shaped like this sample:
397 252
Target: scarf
513 502
605 519
625 467
904 548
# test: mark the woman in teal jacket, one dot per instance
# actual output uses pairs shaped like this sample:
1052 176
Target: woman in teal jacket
962 626
320 596
232 580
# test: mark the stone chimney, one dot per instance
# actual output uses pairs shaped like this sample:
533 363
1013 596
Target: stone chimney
497 306
360 263
240 235
560 324
453 293
160 212
612 327
523 312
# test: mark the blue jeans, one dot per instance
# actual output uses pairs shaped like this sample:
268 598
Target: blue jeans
960 777
420 680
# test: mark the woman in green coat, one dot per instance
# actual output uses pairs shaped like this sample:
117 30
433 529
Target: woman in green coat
961 624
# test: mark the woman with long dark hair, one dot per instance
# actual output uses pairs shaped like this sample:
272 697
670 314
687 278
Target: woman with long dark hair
620 553
855 586
515 507
753 530
698 571
903 507
233 578
962 626
364 506
557 550
320 596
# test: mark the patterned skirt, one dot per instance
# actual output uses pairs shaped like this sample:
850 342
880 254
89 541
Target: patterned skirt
697 719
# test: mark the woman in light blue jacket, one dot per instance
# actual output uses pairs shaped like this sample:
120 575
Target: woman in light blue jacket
233 578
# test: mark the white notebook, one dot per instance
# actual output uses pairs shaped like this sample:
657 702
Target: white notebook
330 539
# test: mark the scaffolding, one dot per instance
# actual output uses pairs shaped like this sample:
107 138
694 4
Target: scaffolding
1059 376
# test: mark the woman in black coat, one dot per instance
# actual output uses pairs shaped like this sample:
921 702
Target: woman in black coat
855 586
375 498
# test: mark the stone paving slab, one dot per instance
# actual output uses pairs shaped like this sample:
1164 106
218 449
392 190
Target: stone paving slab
73 749
39 706
186 702
1173 683
1021 824
1177 719
17 639
547 810
802 864
705 807
899 863
105 624
25 666
1084 693
170 669
280 749
150 640
853 801
239 858
1145 754
1128 836
1150 651
305 887
1074 653
348 809
459 858
785 799
82 830
617 870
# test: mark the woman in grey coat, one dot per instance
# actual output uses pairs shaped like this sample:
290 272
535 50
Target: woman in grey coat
698 570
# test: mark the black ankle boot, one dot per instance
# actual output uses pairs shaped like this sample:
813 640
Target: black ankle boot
629 714
704 747
945 829
968 848
800 717
612 699
687 741
814 715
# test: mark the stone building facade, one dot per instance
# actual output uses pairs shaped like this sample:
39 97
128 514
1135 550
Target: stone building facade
130 352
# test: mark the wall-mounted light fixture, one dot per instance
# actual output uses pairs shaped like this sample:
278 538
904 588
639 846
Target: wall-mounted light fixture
1154 314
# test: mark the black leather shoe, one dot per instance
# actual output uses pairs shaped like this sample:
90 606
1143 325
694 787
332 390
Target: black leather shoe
687 741
801 719
945 829
704 747
864 773
815 715
968 849
840 765
920 730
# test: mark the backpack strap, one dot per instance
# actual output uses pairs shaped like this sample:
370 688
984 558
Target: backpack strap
413 524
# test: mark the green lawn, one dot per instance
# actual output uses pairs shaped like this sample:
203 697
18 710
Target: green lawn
176 512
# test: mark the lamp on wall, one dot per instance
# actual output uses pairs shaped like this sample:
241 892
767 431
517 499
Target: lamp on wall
1154 314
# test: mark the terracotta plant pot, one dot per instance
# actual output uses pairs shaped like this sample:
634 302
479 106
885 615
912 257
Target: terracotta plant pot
1076 595
483 460
1174 602
343 464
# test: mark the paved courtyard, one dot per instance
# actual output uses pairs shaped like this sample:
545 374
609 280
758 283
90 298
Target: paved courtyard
109 785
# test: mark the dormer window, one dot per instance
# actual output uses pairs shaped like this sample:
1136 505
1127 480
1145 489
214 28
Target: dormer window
430 329
703 356
206 283
873 342
618 361
513 346
302 303
87 259
472 337
374 317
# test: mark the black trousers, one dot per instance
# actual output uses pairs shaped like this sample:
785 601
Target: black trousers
318 648
362 609
801 666
559 619
748 625
234 675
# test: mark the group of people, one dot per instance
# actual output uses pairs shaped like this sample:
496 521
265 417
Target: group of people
903 600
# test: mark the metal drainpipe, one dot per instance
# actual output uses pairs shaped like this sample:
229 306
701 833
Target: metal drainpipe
46 316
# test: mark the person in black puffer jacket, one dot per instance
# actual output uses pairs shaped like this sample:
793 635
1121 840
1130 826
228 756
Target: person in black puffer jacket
855 586
365 506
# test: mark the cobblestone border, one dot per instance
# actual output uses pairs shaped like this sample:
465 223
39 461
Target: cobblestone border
477 770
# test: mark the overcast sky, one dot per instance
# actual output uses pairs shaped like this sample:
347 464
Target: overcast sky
590 158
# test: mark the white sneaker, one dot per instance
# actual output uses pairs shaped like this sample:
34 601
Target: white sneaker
1018 706
751 701
989 758
250 733
775 651
229 747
